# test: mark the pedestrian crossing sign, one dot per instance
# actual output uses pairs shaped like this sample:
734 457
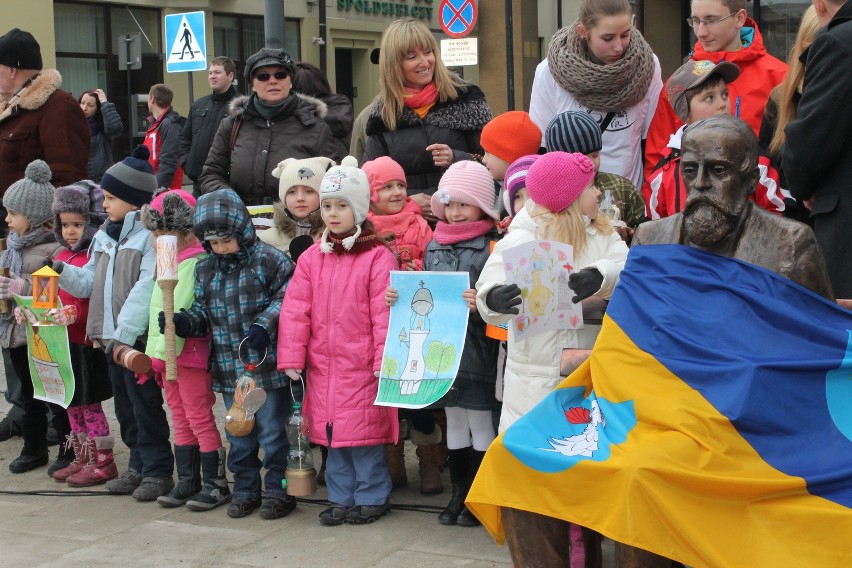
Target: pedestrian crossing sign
186 48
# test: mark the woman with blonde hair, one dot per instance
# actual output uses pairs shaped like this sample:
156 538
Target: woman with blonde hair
425 116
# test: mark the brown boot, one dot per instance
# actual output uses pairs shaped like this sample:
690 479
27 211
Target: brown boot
429 455
77 442
100 468
396 464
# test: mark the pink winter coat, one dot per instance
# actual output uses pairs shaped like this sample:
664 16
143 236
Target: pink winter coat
410 230
333 323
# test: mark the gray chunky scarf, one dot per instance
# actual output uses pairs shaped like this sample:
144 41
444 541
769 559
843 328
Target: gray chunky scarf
599 87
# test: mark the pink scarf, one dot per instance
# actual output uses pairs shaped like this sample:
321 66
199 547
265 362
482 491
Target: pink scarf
447 234
421 101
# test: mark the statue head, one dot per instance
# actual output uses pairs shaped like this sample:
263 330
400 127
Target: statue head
719 166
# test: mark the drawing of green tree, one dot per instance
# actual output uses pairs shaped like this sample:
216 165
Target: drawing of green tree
440 357
391 367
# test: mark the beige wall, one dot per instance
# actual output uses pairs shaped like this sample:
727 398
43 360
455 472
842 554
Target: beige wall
663 19
36 17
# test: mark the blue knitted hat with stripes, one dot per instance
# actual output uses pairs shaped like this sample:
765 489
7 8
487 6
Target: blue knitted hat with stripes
573 131
132 180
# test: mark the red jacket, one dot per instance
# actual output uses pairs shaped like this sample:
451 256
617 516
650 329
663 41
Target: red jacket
759 74
665 194
163 140
77 330
410 230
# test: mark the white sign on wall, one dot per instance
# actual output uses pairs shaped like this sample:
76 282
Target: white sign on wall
459 52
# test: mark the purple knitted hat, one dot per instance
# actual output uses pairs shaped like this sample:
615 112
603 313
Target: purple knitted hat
469 182
557 179
515 179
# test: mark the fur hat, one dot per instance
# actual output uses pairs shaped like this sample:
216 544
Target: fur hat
267 57
33 195
516 178
380 171
349 183
20 50
573 131
308 172
132 180
73 198
692 75
557 179
510 135
170 210
469 182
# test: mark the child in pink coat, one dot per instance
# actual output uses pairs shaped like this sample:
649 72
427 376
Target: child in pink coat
333 324
394 214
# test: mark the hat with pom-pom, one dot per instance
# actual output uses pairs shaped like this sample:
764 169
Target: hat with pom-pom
515 180
557 179
132 180
380 171
349 183
170 210
467 182
75 199
33 195
307 172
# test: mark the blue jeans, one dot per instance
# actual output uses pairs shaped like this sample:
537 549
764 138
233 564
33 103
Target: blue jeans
357 476
142 422
269 433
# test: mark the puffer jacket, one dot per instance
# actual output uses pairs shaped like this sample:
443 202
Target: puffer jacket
337 112
201 125
32 258
298 131
45 123
407 233
333 324
118 279
760 72
235 291
479 357
533 364
100 146
457 123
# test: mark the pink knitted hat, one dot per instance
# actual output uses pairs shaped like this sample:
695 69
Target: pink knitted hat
557 179
469 182
515 179
381 171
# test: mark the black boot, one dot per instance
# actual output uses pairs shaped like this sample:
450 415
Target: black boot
63 460
34 453
459 476
188 467
215 490
466 518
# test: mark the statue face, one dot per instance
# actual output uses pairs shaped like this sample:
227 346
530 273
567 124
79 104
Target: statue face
717 188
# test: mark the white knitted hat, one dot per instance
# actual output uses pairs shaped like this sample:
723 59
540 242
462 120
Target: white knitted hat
349 183
308 172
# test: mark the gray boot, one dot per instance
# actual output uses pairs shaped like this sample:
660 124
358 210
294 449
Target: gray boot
188 463
152 488
215 490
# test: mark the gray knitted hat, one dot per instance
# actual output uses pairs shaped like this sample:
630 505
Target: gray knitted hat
33 195
573 131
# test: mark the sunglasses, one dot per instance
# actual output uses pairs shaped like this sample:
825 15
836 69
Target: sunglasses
264 77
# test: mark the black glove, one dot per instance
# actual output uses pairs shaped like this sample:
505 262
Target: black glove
585 283
257 338
56 265
161 322
110 347
503 299
181 323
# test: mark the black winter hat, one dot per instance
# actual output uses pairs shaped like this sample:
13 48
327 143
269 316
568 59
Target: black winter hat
132 180
266 57
19 49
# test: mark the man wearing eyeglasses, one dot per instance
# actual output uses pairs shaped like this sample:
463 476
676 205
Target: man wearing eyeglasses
725 33
272 124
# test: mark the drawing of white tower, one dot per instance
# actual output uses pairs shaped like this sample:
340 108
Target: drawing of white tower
418 330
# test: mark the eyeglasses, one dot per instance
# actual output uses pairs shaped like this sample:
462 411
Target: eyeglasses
708 22
264 77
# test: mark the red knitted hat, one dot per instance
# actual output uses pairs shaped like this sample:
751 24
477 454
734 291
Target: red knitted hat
511 135
557 179
469 182
381 171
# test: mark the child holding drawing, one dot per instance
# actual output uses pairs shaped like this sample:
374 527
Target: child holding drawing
333 324
464 205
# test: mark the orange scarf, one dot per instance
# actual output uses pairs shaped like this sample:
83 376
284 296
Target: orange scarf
421 101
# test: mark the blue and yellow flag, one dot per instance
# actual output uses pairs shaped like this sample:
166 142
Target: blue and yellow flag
711 425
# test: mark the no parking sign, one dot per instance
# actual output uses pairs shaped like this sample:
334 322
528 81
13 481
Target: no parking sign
458 17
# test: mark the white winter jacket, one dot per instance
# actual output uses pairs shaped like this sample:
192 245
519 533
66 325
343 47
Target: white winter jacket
533 364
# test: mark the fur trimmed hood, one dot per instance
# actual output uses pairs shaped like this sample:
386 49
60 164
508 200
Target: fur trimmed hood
33 96
282 221
308 109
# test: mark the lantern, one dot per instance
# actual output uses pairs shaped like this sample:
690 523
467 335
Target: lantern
45 288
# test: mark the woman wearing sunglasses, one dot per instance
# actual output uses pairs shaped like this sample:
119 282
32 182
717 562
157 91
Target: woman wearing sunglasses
272 124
